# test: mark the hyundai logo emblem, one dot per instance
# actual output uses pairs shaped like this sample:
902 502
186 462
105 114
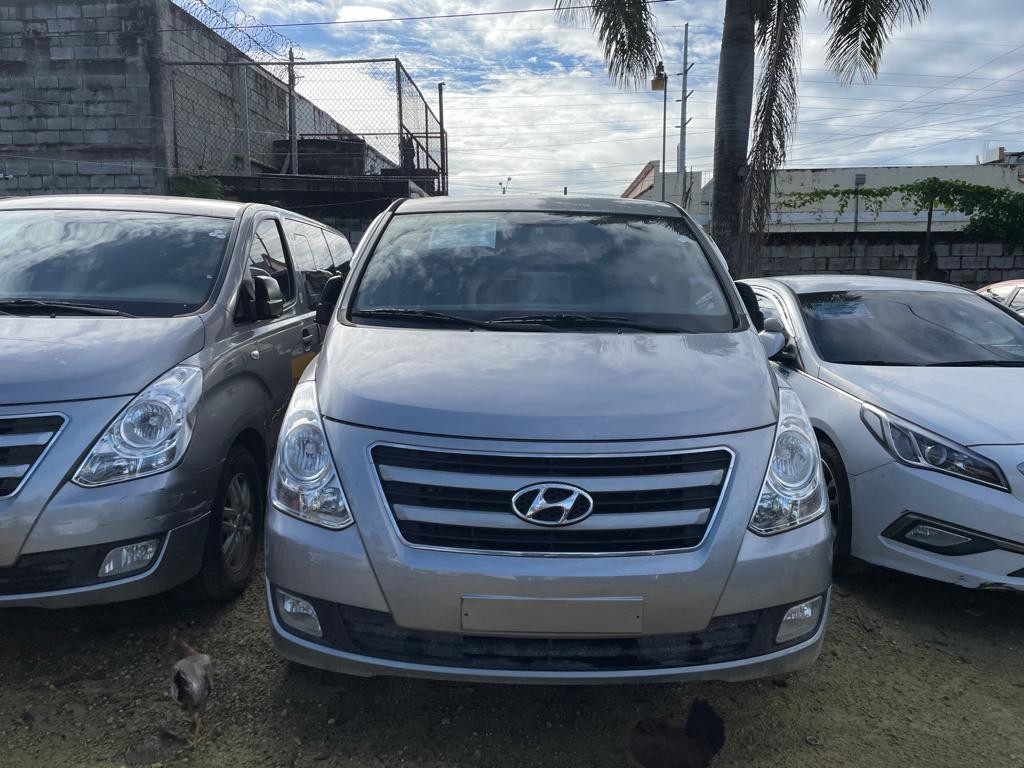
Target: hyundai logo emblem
552 504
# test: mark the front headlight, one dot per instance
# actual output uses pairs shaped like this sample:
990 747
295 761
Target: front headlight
793 492
916 447
304 482
148 436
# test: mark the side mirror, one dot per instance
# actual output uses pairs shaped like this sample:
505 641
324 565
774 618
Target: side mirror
329 299
269 301
773 337
750 302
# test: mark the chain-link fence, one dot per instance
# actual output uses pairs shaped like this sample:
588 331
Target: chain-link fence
333 118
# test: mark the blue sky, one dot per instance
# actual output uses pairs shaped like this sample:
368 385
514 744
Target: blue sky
527 96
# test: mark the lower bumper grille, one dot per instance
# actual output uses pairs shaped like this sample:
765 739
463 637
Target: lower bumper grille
375 635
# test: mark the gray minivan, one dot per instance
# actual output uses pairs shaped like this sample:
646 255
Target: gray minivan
148 348
543 443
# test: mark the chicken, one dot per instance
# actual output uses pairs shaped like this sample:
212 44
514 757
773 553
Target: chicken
656 742
191 681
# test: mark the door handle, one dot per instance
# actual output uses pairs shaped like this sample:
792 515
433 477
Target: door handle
307 333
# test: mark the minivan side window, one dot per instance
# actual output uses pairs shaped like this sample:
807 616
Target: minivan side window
341 251
770 308
307 241
267 253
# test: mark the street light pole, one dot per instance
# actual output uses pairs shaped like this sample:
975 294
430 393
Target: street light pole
660 83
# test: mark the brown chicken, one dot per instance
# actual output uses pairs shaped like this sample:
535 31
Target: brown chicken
191 681
656 742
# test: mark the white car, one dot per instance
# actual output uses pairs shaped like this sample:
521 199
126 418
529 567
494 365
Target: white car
914 390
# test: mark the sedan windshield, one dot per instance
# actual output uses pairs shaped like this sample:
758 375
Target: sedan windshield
548 271
85 262
916 328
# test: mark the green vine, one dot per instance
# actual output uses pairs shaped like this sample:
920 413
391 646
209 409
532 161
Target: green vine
996 213
197 186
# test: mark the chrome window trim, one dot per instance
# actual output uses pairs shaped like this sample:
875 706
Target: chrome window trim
39 460
725 487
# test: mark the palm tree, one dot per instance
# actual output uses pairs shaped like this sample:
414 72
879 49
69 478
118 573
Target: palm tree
857 33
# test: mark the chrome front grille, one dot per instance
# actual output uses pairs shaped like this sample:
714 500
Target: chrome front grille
23 440
642 502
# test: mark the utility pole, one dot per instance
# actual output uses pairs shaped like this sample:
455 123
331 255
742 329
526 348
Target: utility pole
660 83
683 120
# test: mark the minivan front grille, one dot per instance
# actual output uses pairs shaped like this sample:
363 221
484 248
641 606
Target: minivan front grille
23 440
642 502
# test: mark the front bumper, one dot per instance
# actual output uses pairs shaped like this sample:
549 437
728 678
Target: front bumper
734 648
889 500
67 578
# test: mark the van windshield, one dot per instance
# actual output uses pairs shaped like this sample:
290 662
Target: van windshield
542 270
147 264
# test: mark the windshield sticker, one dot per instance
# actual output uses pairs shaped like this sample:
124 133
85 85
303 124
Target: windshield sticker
828 310
220 234
464 236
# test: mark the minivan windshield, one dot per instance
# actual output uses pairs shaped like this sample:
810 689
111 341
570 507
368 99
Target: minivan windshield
147 264
917 328
542 270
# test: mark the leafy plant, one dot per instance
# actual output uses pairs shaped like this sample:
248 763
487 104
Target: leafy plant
197 186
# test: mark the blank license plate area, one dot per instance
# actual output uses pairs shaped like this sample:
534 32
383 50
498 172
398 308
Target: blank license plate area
571 617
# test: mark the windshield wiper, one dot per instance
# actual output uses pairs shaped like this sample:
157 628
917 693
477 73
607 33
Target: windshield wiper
979 364
70 307
428 315
559 320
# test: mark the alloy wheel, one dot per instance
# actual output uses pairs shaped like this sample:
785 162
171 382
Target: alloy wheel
237 523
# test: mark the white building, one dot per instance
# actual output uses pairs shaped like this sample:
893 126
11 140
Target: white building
999 169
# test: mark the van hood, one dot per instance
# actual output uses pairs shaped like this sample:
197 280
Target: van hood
973 406
53 359
545 386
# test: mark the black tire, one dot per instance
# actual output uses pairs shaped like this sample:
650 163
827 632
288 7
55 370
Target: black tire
837 486
233 537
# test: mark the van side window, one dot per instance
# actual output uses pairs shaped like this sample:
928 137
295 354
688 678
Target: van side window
304 247
770 308
321 251
341 251
267 253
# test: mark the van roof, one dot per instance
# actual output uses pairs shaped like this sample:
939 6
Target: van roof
143 203
557 203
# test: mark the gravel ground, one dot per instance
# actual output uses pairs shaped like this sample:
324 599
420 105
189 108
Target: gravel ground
913 674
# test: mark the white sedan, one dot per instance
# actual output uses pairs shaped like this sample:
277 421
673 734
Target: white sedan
915 392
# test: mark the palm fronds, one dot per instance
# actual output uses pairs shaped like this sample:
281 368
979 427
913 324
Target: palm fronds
626 29
859 29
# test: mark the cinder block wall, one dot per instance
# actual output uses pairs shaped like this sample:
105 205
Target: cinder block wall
78 110
960 258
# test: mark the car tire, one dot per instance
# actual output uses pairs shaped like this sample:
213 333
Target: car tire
233 537
837 488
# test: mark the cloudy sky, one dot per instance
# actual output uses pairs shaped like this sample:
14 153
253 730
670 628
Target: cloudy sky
527 97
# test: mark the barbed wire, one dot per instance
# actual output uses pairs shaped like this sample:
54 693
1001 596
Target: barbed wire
259 41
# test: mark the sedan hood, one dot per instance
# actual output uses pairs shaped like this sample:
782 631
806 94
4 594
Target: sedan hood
973 406
52 359
545 386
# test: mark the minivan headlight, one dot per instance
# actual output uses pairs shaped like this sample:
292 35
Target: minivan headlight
916 447
304 482
793 493
150 435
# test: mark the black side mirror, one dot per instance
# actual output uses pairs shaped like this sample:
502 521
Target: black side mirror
750 302
329 299
269 301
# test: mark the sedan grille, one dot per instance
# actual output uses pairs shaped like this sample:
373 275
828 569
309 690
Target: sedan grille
23 440
642 502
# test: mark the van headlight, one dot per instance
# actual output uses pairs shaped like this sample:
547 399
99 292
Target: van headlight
916 447
150 435
304 482
793 493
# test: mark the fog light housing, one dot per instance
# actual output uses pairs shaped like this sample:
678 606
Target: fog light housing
130 557
800 620
931 536
298 613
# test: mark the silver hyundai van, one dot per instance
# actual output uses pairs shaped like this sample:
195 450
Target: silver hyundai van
148 348
542 443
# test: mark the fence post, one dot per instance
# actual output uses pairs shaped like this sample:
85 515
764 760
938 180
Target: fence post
246 139
443 140
292 120
401 120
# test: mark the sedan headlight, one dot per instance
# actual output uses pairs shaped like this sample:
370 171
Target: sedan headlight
793 492
304 482
150 435
917 447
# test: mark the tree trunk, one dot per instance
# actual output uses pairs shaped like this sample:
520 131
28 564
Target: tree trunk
732 131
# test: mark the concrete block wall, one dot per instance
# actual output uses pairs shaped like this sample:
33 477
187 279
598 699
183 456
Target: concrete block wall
78 112
960 259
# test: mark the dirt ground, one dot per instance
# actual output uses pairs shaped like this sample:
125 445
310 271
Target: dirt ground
913 674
